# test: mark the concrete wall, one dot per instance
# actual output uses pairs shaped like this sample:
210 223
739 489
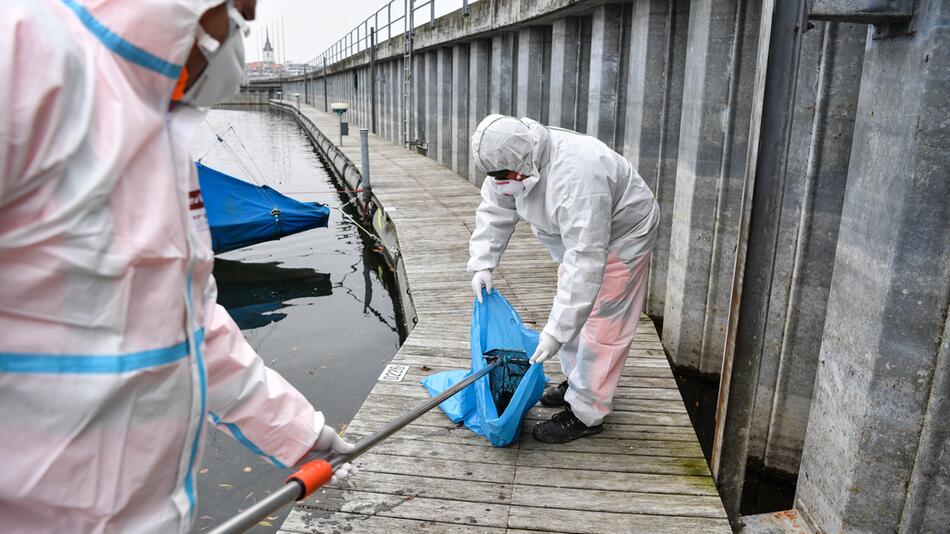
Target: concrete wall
877 451
829 336
819 149
710 170
654 98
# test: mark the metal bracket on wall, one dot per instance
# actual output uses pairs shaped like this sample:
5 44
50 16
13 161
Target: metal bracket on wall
890 18
862 11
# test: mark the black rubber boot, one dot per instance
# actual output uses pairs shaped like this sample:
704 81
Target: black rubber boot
564 427
554 397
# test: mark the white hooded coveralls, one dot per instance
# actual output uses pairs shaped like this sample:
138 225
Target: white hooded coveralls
112 350
598 220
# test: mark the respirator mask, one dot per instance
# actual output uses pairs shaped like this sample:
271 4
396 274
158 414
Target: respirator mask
510 188
221 78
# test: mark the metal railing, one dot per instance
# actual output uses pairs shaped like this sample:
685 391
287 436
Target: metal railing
380 23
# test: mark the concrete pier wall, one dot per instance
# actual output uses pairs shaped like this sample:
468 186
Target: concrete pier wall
799 160
877 452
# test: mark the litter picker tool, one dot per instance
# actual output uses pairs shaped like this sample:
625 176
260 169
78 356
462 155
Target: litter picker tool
314 474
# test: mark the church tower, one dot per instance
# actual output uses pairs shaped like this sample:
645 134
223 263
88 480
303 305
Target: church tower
268 50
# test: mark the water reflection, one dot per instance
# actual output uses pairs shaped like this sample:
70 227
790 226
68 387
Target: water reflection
254 292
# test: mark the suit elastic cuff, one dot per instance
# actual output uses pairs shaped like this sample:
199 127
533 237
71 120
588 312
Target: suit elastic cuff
475 266
552 329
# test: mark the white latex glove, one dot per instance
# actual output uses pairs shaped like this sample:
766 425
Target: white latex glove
330 441
481 279
547 347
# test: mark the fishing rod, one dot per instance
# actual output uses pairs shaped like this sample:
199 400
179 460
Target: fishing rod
314 474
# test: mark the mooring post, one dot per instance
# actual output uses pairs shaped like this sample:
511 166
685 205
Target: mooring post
326 99
364 157
372 78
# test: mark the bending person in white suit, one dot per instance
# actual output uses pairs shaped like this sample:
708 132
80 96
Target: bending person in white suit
598 219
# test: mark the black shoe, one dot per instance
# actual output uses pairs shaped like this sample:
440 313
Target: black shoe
564 427
554 397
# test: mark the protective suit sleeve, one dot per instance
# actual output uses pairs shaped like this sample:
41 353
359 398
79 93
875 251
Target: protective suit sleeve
254 403
495 221
584 221
36 139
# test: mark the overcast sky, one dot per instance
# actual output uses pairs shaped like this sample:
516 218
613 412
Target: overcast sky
310 26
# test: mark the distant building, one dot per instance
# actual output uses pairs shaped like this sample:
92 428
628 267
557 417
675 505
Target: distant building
296 69
266 68
268 49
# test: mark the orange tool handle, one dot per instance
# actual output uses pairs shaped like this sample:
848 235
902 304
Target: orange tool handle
312 476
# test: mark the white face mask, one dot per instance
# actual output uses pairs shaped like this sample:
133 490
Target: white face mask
222 78
508 187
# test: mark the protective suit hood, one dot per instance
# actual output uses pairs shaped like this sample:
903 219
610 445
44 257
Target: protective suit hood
154 38
502 143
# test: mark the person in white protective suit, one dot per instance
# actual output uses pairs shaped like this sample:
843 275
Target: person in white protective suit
598 220
113 353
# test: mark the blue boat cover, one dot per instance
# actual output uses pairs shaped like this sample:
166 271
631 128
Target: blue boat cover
242 214
512 389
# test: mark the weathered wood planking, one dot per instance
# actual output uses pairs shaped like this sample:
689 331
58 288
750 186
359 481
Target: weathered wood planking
644 473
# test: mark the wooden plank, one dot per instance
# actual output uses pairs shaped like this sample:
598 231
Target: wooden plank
671 449
453 469
629 463
467 453
410 507
305 521
607 480
425 486
618 501
647 445
584 522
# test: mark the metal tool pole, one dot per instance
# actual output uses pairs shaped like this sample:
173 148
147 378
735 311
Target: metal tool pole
393 426
250 517
296 487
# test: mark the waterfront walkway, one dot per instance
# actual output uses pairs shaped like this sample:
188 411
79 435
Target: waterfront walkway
644 473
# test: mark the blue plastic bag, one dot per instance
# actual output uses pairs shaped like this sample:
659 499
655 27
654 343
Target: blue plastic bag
496 330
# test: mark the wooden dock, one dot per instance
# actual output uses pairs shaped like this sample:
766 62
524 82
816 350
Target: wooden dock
644 473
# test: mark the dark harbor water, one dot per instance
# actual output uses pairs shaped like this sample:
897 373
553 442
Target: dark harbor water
763 491
317 306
